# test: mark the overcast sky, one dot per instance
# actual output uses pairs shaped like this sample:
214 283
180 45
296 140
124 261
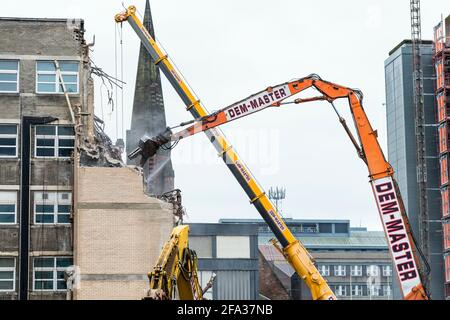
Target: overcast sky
228 50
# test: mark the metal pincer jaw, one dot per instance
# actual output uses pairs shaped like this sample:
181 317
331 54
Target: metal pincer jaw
148 147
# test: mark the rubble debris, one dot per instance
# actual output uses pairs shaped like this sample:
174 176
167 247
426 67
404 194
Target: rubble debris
100 151
174 197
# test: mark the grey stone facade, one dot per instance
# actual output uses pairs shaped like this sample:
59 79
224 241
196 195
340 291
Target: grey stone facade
28 41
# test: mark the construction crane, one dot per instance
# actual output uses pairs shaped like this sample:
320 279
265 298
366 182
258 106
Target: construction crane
175 274
419 108
292 249
393 215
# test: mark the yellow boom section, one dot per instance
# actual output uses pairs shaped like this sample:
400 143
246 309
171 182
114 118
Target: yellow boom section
175 272
293 250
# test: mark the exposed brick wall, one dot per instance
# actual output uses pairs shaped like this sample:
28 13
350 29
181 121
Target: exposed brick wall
119 233
269 284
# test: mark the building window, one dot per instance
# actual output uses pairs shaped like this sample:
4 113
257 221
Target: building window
356 271
8 207
341 290
339 271
204 278
202 245
374 291
373 271
357 290
7 274
48 81
324 270
54 141
9 76
52 207
233 247
48 273
8 140
310 228
387 271
387 291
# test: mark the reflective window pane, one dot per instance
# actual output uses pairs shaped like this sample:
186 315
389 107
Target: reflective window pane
41 218
12 77
68 66
46 87
43 262
63 262
6 262
9 65
63 218
47 78
46 130
6 285
40 208
66 131
45 152
45 142
8 129
46 66
7 152
8 86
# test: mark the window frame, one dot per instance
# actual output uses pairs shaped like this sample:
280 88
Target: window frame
56 202
17 72
372 267
385 272
56 138
373 290
54 269
324 270
226 243
16 136
58 83
358 271
8 202
338 290
340 271
9 269
385 287
357 290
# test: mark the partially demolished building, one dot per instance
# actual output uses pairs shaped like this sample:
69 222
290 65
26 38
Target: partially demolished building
74 220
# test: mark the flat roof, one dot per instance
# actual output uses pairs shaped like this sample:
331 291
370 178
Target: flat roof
286 220
357 240
408 41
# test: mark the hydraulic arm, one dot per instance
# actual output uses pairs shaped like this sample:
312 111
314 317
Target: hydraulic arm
176 270
402 246
292 249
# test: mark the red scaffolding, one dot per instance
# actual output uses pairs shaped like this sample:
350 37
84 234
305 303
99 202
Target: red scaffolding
442 65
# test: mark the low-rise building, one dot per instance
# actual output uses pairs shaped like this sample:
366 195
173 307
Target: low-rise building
355 262
230 252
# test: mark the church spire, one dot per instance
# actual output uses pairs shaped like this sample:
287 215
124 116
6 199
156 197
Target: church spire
148 117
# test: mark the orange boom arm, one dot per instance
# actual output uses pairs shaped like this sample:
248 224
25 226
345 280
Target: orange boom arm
395 221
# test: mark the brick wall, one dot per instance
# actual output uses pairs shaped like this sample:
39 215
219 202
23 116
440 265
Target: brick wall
269 284
119 232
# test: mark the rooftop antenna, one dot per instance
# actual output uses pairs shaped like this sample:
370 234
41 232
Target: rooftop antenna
278 195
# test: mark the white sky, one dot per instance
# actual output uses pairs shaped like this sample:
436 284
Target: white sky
228 50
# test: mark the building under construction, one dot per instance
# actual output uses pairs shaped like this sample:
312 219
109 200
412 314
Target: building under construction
442 64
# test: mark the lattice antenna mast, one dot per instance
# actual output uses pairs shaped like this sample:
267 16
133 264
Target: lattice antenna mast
416 37
277 195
